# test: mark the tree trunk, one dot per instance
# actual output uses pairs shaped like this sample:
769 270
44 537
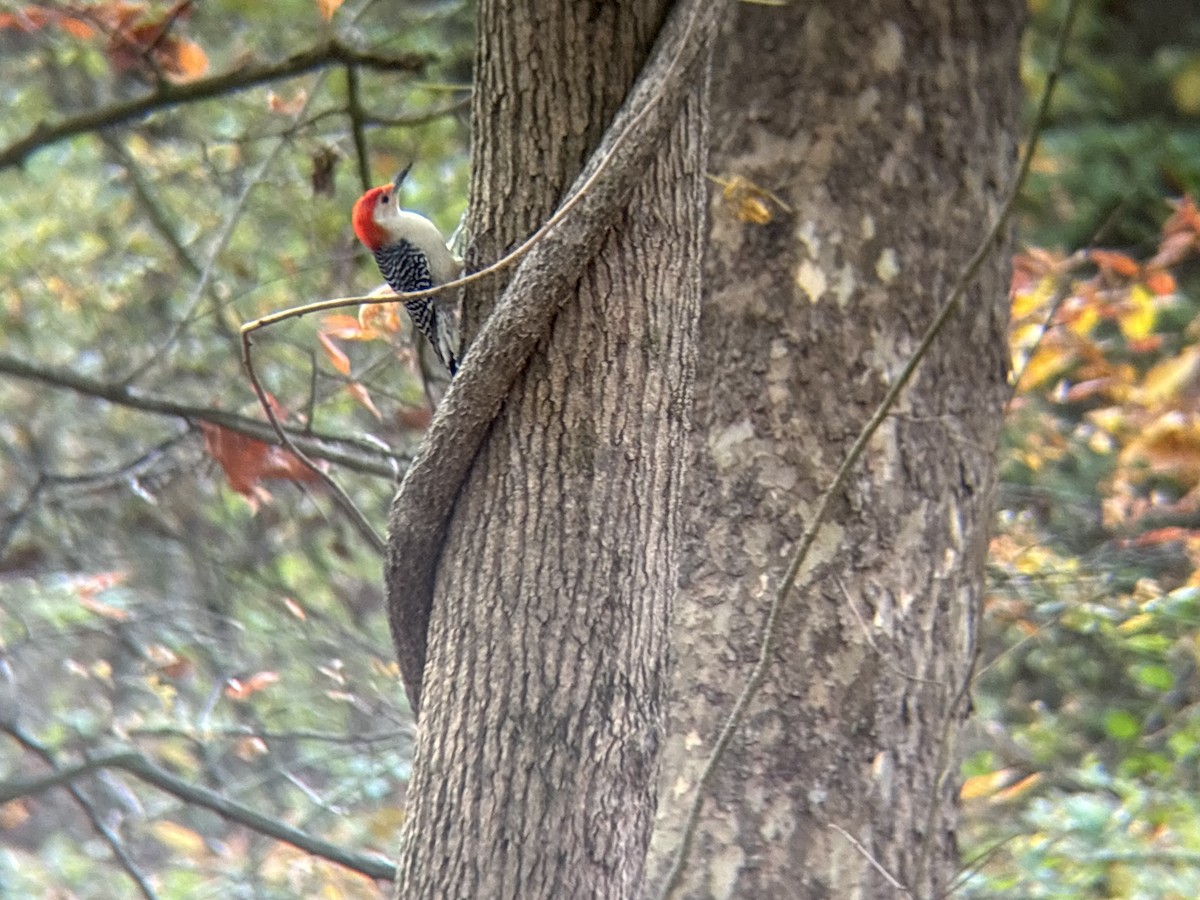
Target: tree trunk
888 129
541 710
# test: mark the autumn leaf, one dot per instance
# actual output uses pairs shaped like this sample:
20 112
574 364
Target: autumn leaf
1170 445
1160 283
337 356
246 461
328 7
180 840
347 328
979 786
32 19
238 689
1137 318
359 392
1117 263
1166 379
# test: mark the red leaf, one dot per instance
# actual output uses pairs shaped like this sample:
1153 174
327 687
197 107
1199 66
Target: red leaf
246 461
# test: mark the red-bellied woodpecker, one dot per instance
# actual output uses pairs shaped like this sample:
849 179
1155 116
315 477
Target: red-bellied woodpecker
412 256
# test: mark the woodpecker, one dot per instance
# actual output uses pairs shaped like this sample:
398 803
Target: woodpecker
412 256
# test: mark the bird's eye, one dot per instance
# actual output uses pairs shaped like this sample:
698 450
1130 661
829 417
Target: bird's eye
383 198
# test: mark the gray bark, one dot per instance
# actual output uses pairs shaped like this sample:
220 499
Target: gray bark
888 128
541 707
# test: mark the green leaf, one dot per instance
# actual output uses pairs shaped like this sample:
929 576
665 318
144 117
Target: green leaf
1121 725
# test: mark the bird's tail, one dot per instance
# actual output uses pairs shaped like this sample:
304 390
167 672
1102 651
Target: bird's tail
446 339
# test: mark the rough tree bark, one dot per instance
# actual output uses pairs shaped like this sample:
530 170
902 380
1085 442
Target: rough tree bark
541 709
888 128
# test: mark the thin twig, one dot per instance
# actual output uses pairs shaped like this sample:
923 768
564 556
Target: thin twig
879 867
583 191
219 243
154 212
362 456
770 629
120 854
354 111
171 95
142 768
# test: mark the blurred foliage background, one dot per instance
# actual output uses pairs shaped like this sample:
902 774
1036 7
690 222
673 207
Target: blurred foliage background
236 639
170 585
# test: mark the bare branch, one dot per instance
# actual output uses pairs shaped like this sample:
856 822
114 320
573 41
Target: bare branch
120 854
358 456
139 766
170 95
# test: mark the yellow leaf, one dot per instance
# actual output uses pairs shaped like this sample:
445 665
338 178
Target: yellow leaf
1026 303
181 840
1166 380
1047 363
1185 89
1084 321
1137 320
1136 623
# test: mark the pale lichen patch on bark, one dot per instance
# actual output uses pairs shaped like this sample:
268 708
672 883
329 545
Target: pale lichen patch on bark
887 53
724 870
811 279
887 266
723 446
847 284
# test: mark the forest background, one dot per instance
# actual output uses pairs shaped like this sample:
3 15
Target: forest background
175 592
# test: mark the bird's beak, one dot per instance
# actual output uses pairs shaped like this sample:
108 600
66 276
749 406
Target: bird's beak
400 176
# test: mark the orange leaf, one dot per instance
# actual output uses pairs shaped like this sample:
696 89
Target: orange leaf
328 8
35 18
185 59
236 689
340 361
1011 793
1117 263
1171 534
359 392
983 785
385 316
347 328
1160 282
